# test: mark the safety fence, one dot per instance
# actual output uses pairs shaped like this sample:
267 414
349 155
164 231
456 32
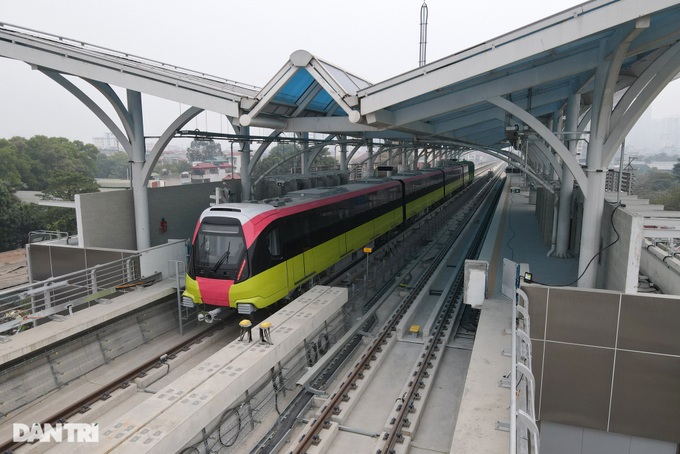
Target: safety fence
524 433
28 305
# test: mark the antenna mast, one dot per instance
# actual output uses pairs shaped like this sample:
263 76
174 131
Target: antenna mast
423 33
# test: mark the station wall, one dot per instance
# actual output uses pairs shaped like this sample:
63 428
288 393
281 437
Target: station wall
107 219
607 361
562 439
624 231
621 236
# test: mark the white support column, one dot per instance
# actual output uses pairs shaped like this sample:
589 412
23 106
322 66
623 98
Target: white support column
606 77
593 205
245 164
567 187
343 156
304 156
593 208
138 158
389 160
369 162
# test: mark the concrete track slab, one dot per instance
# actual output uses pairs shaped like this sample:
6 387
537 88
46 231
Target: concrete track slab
32 340
375 405
92 381
441 409
157 409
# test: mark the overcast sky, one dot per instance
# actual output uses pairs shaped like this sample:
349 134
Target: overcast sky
247 41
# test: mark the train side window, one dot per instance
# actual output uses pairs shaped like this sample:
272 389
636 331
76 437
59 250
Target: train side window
274 243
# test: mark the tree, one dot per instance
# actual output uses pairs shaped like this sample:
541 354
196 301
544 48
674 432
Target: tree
114 166
10 237
661 188
14 170
50 154
324 159
65 185
670 199
204 150
283 156
56 166
653 182
176 167
676 170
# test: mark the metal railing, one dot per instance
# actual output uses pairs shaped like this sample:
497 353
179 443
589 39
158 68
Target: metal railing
79 49
524 434
35 236
24 306
186 312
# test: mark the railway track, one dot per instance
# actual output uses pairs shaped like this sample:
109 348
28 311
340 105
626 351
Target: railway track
122 381
370 299
329 417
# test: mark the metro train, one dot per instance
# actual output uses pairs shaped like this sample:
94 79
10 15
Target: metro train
247 256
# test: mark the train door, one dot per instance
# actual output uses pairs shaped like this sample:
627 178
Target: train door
294 247
342 245
308 244
296 270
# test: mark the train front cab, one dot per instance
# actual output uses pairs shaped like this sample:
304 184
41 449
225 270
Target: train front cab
217 262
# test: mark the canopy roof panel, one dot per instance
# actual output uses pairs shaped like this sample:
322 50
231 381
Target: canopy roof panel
453 100
536 68
305 87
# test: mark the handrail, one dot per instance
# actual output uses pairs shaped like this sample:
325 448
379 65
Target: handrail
130 60
524 433
29 303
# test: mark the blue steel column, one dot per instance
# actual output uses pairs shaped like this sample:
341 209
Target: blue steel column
138 157
245 164
567 187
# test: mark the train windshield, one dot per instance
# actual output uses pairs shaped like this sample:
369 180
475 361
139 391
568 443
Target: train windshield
219 250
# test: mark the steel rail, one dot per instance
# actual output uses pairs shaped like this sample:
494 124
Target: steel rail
312 435
104 392
395 436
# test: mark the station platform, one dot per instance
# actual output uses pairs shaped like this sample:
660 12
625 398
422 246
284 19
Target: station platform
514 235
33 340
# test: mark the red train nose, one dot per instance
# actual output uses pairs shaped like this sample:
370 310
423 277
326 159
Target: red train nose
214 291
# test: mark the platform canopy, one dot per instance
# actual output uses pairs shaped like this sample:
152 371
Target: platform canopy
606 60
493 95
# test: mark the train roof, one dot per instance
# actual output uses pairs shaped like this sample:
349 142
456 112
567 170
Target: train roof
251 210
255 216
244 211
